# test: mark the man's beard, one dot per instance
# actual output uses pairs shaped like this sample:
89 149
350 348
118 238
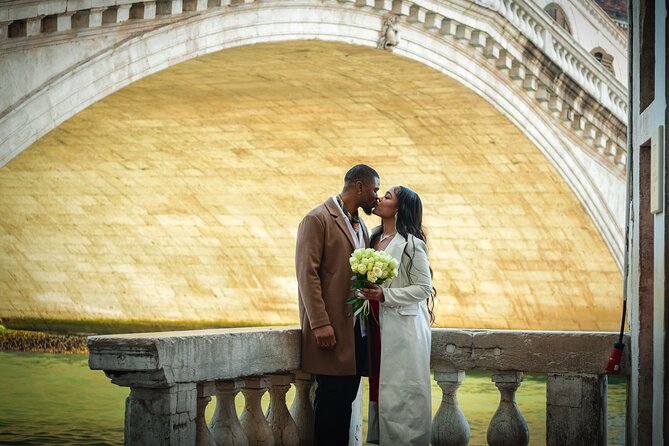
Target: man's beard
368 209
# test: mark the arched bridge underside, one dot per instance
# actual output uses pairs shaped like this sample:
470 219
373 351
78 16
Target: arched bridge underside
176 199
507 52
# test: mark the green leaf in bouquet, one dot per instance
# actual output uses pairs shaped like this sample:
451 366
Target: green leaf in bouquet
352 300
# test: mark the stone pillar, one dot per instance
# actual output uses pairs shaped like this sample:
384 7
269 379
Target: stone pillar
202 435
517 72
504 61
508 427
64 21
194 5
530 83
123 13
4 30
95 18
365 3
478 39
600 141
225 426
89 18
256 427
555 103
576 410
449 427
49 23
383 5
169 7
302 408
33 26
162 416
578 123
143 11
282 424
401 7
463 32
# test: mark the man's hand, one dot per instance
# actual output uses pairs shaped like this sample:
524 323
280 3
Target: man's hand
325 337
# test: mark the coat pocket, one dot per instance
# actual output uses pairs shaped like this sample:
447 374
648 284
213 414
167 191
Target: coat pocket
408 311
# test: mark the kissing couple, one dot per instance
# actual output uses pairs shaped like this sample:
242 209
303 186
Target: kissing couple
392 345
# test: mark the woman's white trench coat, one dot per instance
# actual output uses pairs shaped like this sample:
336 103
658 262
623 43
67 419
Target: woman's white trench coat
405 402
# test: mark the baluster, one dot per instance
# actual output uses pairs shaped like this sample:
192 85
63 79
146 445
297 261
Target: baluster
449 427
202 435
254 423
225 426
508 427
302 408
282 424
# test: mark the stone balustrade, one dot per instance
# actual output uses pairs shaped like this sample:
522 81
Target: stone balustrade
172 377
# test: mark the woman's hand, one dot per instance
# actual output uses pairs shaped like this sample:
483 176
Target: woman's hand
374 292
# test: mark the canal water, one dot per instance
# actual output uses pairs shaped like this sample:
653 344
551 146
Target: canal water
56 399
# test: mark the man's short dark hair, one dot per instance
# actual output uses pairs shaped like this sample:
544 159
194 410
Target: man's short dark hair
360 172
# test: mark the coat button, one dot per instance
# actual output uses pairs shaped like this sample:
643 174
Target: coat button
348 313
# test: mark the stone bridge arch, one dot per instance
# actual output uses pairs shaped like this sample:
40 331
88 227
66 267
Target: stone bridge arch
508 52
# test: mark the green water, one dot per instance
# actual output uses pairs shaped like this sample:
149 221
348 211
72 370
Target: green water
56 399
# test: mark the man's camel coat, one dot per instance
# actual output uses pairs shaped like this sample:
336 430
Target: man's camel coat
324 246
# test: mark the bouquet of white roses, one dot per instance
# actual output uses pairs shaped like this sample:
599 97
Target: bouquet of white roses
369 267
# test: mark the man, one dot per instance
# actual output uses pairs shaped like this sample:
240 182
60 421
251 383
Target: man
333 347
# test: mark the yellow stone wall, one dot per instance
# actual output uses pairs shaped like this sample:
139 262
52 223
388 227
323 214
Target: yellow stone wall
178 197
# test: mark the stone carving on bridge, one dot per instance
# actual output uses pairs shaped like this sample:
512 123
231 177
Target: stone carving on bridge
389 36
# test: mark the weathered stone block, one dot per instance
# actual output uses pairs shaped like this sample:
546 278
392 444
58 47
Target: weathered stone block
416 14
383 5
576 410
529 351
401 7
150 417
143 11
169 7
194 5
33 26
64 21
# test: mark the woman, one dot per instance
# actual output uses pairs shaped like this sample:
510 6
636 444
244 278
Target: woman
404 313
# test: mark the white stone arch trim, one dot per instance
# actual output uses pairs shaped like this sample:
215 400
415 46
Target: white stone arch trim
194 36
541 131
